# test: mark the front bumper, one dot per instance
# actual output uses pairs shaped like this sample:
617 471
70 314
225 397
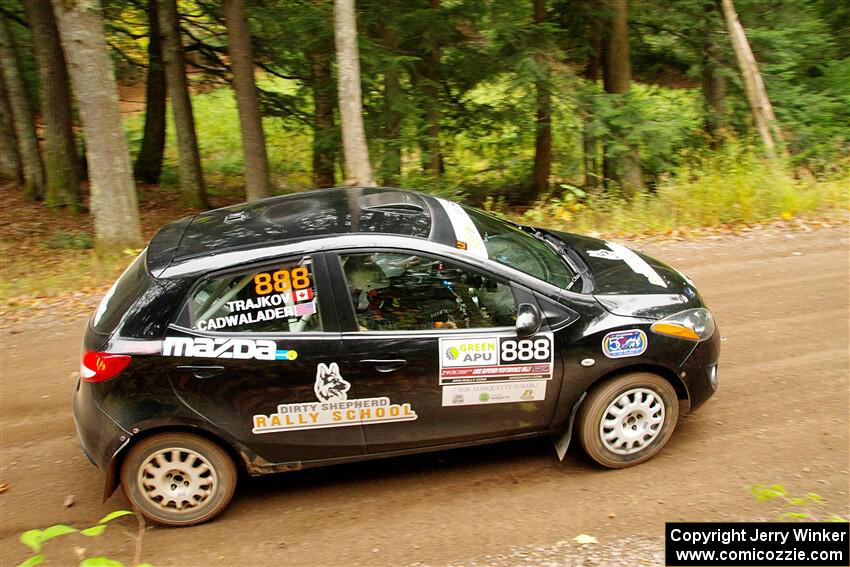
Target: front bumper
99 436
699 371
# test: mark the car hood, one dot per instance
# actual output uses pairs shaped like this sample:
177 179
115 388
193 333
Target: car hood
630 283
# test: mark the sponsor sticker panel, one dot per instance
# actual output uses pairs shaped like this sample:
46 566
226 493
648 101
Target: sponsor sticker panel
494 393
621 344
495 359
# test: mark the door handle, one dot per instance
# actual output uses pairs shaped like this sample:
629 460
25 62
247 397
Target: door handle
202 372
385 365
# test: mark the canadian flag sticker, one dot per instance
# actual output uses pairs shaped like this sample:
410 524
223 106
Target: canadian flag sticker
303 294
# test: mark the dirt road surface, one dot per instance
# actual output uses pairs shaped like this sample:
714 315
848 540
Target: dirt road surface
780 416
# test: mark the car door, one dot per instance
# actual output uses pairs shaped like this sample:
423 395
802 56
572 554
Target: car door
246 351
439 340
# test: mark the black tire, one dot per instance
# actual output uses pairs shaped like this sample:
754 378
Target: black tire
203 479
650 410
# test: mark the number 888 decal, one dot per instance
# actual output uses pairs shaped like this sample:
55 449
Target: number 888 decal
526 350
281 280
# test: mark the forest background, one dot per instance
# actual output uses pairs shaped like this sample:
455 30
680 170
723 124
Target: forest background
613 117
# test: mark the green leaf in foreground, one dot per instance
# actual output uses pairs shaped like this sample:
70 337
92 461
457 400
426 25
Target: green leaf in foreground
100 562
31 539
94 530
34 560
56 531
112 515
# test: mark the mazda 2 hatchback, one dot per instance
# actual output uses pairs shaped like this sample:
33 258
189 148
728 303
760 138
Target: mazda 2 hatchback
349 324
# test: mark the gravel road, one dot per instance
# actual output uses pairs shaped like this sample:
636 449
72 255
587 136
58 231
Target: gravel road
780 416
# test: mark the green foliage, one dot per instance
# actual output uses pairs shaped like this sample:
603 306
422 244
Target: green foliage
64 240
806 76
807 507
734 186
482 87
35 540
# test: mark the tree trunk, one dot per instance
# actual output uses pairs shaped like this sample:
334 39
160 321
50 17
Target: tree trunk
589 140
357 166
257 181
622 167
324 129
543 137
21 116
61 162
756 93
192 191
148 166
430 71
113 201
713 82
10 159
391 166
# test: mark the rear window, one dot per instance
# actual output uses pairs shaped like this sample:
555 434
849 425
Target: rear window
121 296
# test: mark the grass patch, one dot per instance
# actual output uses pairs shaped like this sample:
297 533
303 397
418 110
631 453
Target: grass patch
732 187
67 270
63 240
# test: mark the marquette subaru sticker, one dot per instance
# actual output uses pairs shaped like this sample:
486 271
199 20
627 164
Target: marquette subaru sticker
495 359
621 344
333 409
494 393
225 348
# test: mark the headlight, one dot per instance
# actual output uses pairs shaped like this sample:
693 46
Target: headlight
691 325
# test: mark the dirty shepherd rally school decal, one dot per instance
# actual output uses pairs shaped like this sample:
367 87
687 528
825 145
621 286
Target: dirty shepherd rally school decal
472 360
333 409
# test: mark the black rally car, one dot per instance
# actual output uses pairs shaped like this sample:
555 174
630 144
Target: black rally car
348 324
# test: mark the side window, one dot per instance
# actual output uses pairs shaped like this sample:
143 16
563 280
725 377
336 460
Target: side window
275 299
392 291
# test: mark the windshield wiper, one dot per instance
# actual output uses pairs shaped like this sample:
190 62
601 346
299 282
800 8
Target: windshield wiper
573 281
561 250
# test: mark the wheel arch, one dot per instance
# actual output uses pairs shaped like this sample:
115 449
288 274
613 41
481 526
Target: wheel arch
564 439
681 390
243 459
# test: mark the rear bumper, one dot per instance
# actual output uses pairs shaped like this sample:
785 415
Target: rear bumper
99 436
700 371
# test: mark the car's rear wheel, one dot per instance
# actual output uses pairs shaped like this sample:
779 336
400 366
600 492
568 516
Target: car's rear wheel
628 419
178 479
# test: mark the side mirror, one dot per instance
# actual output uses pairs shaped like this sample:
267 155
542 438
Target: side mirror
528 320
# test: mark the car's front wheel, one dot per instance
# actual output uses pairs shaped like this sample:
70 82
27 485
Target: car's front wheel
628 419
178 479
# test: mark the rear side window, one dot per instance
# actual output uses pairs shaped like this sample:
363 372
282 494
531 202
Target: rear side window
121 296
275 299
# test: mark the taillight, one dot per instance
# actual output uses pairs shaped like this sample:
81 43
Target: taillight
100 366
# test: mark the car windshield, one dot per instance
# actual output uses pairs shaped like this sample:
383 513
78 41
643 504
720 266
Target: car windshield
513 247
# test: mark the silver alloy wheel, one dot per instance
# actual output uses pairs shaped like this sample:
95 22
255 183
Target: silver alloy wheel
177 479
632 421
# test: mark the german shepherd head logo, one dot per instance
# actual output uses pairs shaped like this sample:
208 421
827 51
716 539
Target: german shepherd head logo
330 386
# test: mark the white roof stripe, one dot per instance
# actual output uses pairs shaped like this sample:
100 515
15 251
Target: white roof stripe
464 228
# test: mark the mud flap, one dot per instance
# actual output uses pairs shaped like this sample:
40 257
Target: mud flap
113 475
562 442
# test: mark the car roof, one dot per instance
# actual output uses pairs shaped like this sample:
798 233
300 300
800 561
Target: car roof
302 216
